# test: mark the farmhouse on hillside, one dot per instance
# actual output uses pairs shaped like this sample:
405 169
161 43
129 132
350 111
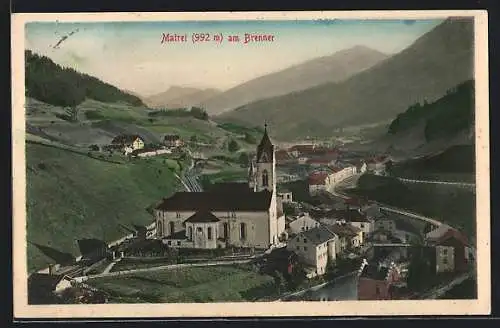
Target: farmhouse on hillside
247 214
172 140
128 143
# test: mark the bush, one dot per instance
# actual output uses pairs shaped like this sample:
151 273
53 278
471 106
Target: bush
233 146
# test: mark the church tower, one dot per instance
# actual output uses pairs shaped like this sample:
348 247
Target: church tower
265 179
265 170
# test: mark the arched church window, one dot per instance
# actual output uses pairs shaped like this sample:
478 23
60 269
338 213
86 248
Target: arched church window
265 179
190 233
171 228
159 228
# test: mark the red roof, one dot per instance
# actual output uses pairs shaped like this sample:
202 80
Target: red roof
282 155
319 161
452 233
318 178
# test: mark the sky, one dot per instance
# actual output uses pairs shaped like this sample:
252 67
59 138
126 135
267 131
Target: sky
131 55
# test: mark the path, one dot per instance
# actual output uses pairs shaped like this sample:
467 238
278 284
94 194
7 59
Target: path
160 268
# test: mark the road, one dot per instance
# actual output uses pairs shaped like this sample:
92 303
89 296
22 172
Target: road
441 290
458 184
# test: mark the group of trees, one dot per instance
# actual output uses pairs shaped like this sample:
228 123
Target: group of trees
448 115
61 86
233 146
195 112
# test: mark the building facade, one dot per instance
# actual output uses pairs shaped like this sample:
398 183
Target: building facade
236 214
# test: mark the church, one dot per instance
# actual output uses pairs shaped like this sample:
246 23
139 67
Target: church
237 214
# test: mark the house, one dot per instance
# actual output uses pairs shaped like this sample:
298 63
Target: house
315 247
128 142
247 214
356 218
361 167
377 165
338 174
452 250
317 181
285 195
301 224
283 157
281 260
385 224
173 141
320 162
43 287
349 236
301 150
376 280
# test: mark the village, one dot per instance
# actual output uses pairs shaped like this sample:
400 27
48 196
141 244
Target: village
290 219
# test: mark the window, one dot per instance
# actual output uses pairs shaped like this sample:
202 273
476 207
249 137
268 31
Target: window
226 230
190 233
169 242
178 215
243 231
159 228
305 240
362 225
233 214
302 228
209 233
178 243
445 261
305 248
265 179
171 228
445 251
199 230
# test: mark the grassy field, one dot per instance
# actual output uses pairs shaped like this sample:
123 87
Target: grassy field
187 285
448 204
72 196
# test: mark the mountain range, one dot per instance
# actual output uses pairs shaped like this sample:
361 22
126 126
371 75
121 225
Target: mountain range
437 61
332 68
180 97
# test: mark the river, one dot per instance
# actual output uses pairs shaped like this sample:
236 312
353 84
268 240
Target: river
342 289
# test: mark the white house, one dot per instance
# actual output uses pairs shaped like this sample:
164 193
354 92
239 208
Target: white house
128 142
302 223
315 247
356 218
317 182
230 214
285 196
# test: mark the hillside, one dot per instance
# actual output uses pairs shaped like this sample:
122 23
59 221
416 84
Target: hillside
72 196
180 97
60 86
445 117
434 63
333 68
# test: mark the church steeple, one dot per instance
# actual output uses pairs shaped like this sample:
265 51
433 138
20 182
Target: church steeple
265 149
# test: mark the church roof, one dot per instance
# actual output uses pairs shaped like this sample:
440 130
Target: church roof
230 187
202 217
265 146
217 201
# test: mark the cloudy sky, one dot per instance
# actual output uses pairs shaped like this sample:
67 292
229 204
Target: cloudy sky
130 55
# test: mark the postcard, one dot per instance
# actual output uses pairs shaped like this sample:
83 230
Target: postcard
250 164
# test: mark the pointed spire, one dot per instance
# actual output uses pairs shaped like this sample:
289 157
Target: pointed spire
265 146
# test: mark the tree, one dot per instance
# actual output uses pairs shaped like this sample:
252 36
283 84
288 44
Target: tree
193 139
233 146
243 159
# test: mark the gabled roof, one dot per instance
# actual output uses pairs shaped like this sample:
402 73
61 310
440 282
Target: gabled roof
352 215
202 217
318 235
317 178
375 272
125 139
343 230
217 201
43 282
265 149
449 234
230 187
